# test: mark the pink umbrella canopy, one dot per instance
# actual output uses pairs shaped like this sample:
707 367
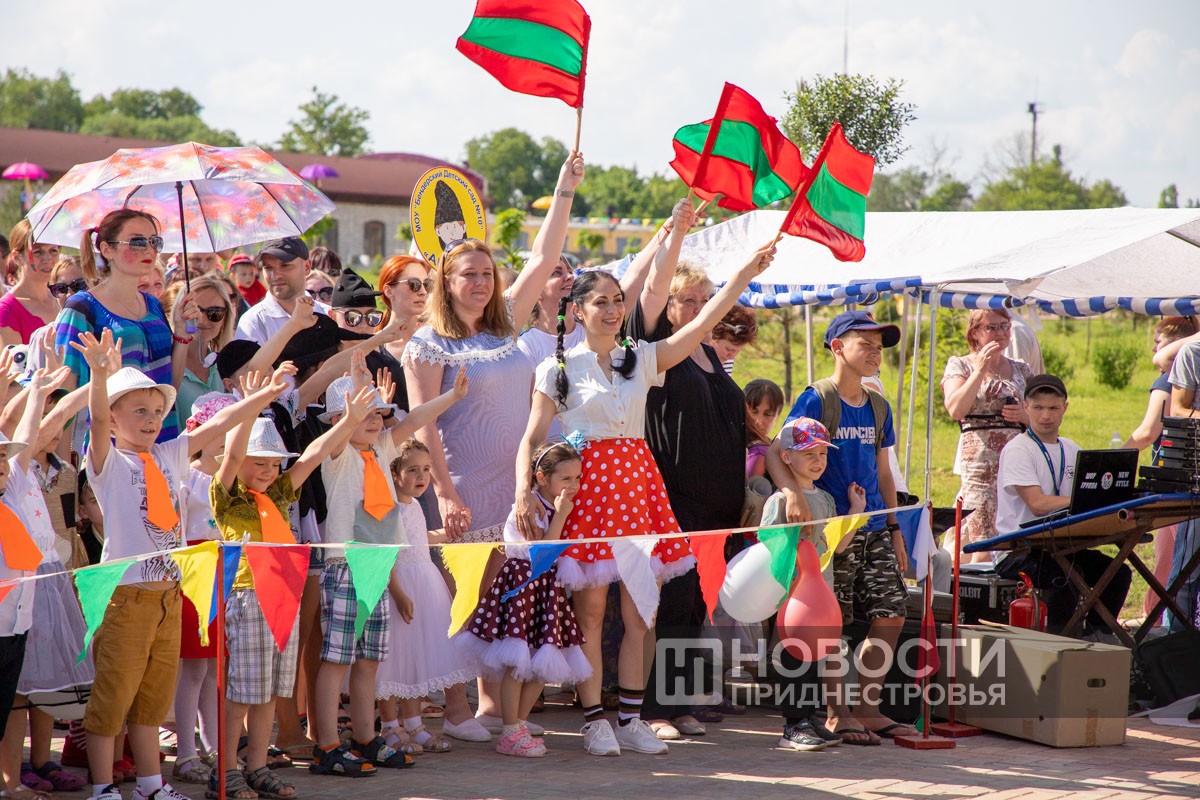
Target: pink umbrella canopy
24 171
317 172
232 196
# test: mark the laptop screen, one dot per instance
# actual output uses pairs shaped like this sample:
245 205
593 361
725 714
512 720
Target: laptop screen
1103 478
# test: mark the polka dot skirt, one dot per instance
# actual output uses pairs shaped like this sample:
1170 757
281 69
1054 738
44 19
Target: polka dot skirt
540 614
622 494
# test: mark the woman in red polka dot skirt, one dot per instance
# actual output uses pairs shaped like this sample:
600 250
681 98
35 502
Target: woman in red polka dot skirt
598 391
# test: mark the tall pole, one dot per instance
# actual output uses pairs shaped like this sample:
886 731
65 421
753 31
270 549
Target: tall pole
1033 112
846 41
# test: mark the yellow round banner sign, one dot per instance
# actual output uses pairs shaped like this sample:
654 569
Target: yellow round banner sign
445 208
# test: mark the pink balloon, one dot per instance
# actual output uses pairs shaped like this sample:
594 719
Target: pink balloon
810 620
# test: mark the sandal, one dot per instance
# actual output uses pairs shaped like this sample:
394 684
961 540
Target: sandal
270 785
297 752
431 710
727 706
191 770
236 787
708 714
341 762
23 792
401 741
858 736
435 743
59 778
276 758
378 753
31 780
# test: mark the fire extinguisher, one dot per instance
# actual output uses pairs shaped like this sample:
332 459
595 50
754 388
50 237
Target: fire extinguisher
1027 610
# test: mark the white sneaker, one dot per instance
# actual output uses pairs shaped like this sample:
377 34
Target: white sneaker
496 725
599 740
167 792
469 730
111 792
639 737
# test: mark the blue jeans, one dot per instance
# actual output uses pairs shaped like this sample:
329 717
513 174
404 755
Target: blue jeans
1187 541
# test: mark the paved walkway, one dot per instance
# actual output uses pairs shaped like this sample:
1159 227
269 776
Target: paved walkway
738 759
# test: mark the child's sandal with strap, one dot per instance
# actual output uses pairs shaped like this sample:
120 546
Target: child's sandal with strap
236 787
431 742
270 785
401 741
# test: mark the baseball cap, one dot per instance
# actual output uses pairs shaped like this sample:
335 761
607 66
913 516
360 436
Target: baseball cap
316 343
804 433
1044 382
860 321
285 250
240 258
234 356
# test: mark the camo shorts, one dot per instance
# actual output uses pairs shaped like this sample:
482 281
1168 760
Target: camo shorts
867 579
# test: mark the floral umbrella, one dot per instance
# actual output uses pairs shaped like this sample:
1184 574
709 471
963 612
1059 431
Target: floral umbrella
207 199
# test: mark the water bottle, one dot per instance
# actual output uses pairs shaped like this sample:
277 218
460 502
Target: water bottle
1116 441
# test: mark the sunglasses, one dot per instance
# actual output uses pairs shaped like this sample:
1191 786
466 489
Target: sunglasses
324 294
415 284
68 289
355 318
140 243
214 313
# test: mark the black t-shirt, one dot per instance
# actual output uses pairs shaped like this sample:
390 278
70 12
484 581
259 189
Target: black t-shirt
696 429
382 359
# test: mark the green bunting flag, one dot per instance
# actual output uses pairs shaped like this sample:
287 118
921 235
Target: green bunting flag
95 586
370 569
782 542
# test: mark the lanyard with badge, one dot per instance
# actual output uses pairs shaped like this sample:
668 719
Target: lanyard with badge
1062 461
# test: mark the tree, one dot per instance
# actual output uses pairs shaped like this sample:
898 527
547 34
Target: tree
659 195
951 195
145 104
1169 197
173 129
612 191
517 168
327 127
871 111
507 232
589 242
1047 184
27 101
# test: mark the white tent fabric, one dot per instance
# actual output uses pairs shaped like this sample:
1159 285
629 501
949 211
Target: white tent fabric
1085 261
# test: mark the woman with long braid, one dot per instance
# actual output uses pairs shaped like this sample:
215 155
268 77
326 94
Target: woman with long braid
598 391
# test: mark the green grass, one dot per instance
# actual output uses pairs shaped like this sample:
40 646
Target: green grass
1095 412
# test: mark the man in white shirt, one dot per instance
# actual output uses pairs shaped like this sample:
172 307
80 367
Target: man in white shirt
1037 475
285 268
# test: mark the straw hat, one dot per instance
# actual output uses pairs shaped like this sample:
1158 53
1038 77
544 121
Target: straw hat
9 448
336 397
265 441
128 379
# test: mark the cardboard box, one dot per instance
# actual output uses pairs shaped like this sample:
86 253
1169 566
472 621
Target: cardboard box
1049 689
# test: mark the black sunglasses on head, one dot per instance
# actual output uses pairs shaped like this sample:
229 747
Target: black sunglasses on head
68 289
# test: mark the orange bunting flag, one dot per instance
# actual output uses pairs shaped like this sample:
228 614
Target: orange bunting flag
710 565
198 566
275 529
159 508
377 492
279 574
20 551
5 588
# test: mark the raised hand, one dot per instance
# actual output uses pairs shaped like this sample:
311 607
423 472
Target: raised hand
51 356
302 314
571 174
461 383
279 378
395 329
386 384
987 356
9 371
46 380
361 404
252 382
186 310
359 374
759 262
683 216
103 355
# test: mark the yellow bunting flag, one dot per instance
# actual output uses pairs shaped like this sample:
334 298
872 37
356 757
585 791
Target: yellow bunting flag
198 564
835 531
467 563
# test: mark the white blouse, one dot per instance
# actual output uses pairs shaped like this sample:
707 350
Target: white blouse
596 406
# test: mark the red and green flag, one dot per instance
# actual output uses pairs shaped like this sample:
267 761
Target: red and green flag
740 154
831 208
536 47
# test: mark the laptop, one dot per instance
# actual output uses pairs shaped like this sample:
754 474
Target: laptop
1102 478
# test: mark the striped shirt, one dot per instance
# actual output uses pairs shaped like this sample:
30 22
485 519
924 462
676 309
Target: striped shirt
146 344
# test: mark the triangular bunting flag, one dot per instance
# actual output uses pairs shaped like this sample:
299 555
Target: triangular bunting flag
835 531
95 586
710 565
370 568
279 572
5 588
542 556
198 565
915 526
467 563
782 542
231 552
633 565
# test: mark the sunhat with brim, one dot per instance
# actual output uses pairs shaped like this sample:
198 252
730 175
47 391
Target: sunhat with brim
207 406
265 442
9 448
336 398
128 379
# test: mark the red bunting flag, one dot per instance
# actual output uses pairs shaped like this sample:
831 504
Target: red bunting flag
740 154
710 566
536 47
928 659
831 206
279 572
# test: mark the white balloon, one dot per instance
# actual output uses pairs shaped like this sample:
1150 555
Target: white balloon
750 592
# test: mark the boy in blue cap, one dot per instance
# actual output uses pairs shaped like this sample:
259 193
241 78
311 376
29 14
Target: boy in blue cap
867 576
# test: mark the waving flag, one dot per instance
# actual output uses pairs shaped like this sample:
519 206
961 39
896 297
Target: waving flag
740 153
536 47
831 208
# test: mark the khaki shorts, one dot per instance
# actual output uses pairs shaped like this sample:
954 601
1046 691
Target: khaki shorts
136 652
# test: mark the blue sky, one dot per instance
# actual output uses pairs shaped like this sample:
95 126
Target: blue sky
1119 82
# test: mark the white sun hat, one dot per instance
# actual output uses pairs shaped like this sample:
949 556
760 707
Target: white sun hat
265 441
128 379
9 448
336 398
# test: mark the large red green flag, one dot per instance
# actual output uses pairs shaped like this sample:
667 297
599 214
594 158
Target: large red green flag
831 208
740 154
536 47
